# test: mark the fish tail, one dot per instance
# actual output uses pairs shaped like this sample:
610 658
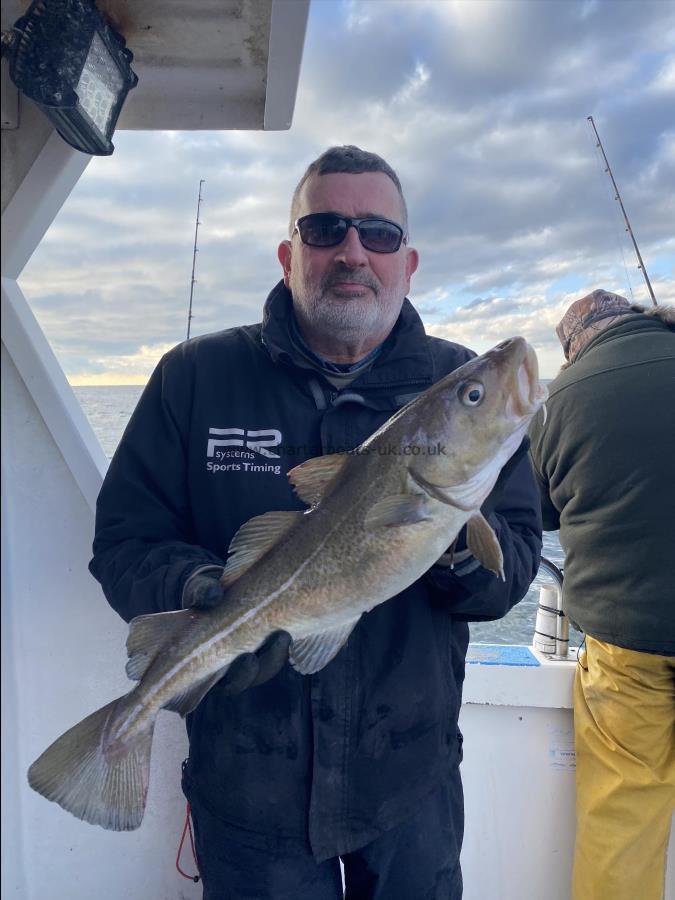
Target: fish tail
103 784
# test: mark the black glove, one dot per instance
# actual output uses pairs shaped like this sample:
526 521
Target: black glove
203 590
251 669
494 497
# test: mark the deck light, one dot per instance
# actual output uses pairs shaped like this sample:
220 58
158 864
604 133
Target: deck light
75 67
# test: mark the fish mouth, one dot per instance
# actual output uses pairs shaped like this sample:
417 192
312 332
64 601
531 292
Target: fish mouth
532 393
527 393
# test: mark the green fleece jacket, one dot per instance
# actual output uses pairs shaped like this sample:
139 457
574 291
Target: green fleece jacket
605 464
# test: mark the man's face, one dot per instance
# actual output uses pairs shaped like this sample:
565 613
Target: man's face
350 292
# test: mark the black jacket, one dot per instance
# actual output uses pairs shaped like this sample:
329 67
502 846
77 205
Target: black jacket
333 759
604 464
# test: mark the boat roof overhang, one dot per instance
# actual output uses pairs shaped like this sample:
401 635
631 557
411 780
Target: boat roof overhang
211 64
206 64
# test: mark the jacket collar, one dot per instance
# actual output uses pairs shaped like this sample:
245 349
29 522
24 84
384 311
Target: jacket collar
405 357
626 325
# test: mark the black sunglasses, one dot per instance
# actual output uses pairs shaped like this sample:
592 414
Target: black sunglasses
329 230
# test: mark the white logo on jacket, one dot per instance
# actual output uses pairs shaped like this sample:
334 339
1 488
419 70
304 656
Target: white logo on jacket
236 437
235 449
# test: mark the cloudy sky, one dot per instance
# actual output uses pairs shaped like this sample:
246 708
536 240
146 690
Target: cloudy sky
480 106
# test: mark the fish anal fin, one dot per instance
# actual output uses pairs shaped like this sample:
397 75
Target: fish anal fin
310 654
152 633
191 698
483 544
311 478
398 509
254 539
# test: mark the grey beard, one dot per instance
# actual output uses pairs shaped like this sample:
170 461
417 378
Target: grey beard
346 318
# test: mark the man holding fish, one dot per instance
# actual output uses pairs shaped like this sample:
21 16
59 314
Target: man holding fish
321 672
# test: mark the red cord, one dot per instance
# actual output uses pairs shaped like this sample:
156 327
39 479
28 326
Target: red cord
187 829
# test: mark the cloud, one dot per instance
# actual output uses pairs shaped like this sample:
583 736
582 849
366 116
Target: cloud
507 195
132 368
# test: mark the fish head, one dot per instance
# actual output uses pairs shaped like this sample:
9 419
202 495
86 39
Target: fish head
469 423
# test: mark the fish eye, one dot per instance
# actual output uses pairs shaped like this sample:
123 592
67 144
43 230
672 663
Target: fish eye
471 393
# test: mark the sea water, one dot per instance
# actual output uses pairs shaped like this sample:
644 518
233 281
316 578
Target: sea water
109 409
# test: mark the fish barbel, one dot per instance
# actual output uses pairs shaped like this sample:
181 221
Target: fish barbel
378 519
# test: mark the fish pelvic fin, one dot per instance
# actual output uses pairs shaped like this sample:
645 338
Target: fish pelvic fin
310 654
311 478
191 698
483 544
254 539
106 787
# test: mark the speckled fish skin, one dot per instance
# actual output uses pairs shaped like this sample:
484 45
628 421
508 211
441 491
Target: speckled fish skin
379 518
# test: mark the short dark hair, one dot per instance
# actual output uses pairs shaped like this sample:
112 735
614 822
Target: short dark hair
352 160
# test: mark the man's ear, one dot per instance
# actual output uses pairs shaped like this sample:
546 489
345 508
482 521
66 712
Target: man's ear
284 252
411 264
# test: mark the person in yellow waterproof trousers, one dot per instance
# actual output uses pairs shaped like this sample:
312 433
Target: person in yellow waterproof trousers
624 729
603 462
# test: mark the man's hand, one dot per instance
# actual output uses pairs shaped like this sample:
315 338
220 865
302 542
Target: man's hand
251 669
203 590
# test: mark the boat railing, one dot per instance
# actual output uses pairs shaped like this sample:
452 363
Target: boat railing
552 627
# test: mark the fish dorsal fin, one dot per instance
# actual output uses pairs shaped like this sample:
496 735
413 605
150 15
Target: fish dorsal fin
152 633
311 478
191 698
482 542
310 654
398 509
254 539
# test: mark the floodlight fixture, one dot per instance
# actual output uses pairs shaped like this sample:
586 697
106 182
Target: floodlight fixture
77 69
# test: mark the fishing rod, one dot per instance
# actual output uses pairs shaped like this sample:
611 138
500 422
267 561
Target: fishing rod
194 258
617 196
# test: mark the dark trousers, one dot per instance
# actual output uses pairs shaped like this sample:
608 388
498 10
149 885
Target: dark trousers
416 860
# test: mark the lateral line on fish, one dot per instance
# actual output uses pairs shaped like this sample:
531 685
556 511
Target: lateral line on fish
203 647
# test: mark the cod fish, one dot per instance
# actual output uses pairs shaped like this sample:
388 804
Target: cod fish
379 517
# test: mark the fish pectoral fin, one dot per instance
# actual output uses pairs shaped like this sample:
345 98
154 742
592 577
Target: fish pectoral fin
188 700
254 539
310 654
311 478
399 509
437 492
483 544
149 634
